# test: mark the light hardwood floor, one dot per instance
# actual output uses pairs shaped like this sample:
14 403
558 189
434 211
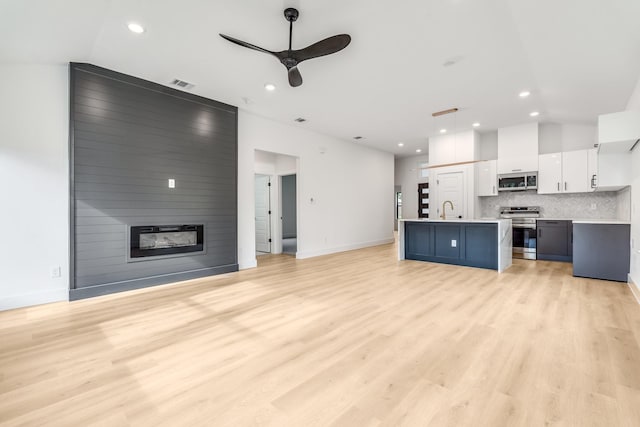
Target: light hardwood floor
352 339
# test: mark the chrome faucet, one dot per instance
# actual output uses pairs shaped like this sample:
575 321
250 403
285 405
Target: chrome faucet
443 216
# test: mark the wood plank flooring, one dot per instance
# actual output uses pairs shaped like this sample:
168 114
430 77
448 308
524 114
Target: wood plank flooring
351 339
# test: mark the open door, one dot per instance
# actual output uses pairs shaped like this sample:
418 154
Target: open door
263 213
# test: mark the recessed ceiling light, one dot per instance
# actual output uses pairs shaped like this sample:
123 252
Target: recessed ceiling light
400 144
534 113
270 87
524 94
443 131
476 124
134 27
418 150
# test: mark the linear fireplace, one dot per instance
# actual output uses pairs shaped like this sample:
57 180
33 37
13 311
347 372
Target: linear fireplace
161 240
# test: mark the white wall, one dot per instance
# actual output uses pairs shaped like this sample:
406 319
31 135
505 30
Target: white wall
344 189
634 104
407 177
34 171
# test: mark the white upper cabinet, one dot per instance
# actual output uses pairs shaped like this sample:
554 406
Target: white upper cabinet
518 148
618 132
614 171
566 172
447 149
575 172
487 178
550 173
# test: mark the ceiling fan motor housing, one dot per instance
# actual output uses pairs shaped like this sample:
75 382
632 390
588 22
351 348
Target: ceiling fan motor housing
291 14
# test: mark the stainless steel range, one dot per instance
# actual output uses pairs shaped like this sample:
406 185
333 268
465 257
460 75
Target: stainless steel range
523 220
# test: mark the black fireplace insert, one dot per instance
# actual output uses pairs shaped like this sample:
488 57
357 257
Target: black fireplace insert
158 240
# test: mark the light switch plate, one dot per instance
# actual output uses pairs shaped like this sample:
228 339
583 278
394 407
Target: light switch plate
172 183
454 243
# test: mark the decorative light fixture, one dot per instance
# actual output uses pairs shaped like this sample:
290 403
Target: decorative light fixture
270 87
524 94
134 27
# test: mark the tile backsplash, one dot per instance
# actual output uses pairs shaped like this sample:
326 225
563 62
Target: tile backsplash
601 205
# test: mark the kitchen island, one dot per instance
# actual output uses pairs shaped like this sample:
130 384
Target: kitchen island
473 243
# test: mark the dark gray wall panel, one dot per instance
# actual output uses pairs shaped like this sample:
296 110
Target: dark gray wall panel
128 137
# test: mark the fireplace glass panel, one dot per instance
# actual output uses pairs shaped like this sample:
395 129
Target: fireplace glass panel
161 240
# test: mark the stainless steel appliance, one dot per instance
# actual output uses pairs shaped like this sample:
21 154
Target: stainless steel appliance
518 181
523 221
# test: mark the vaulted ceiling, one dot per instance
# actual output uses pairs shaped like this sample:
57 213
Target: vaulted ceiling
578 58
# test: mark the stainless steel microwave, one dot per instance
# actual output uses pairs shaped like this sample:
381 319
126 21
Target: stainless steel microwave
518 181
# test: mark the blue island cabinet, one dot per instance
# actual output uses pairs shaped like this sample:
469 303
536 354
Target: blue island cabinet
459 243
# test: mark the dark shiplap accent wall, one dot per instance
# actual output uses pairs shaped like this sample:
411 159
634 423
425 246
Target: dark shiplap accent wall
128 137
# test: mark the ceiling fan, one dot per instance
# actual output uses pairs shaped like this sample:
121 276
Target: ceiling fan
291 58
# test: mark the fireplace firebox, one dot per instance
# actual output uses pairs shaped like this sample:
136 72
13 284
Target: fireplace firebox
161 240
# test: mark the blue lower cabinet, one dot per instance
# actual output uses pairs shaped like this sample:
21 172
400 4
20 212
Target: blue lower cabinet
419 238
468 244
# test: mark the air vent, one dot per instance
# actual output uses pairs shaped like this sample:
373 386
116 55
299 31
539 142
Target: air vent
300 120
182 84
358 137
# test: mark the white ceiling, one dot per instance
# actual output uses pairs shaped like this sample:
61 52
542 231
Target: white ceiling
579 58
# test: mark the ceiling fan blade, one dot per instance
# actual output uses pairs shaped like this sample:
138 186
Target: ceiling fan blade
323 47
249 45
295 78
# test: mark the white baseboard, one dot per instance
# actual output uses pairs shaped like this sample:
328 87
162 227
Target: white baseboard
328 251
635 290
34 298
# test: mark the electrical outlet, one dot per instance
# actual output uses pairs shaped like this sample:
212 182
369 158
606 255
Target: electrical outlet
594 206
454 243
172 183
56 272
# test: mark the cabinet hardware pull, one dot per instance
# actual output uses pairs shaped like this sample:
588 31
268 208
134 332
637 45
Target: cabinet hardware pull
558 186
565 186
593 181
494 189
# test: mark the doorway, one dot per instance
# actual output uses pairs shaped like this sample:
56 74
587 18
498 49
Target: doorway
289 214
263 213
451 188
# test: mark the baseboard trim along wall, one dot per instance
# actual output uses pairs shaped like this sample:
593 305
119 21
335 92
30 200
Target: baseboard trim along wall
635 290
129 285
34 298
329 251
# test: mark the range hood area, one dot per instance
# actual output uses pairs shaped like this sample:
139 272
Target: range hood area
618 132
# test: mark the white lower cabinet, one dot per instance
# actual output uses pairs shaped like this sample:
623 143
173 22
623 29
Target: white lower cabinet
487 178
566 172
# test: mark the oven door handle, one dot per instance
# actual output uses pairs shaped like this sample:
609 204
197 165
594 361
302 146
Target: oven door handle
529 226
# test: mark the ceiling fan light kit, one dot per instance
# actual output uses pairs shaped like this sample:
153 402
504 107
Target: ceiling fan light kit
291 58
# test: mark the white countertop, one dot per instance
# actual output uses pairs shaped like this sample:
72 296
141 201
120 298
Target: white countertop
480 221
600 221
587 221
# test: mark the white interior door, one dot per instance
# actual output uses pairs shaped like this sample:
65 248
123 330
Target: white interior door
451 188
263 220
